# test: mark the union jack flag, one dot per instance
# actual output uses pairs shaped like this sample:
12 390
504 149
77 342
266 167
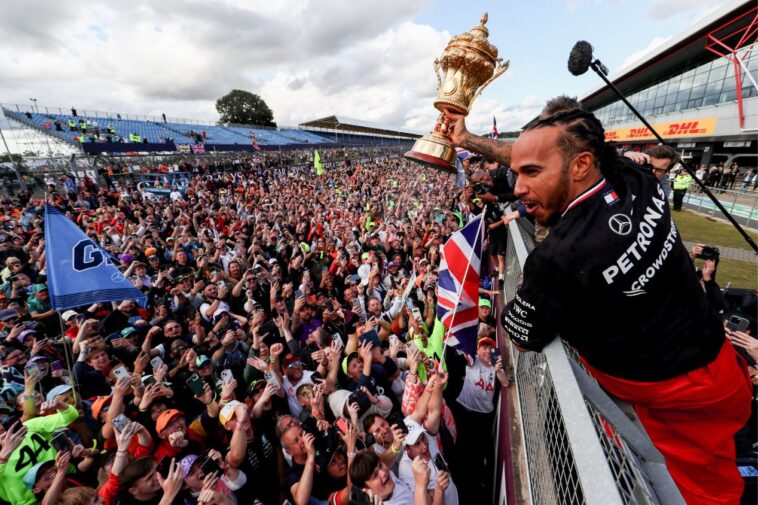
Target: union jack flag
462 153
494 127
198 148
458 287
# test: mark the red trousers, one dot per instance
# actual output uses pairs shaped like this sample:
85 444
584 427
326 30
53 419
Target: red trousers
692 420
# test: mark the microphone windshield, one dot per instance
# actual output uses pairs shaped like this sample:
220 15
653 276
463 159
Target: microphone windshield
580 58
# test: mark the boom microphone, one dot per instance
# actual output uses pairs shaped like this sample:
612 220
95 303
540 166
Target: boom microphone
580 58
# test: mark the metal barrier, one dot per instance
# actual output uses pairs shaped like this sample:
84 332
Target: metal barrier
741 204
581 446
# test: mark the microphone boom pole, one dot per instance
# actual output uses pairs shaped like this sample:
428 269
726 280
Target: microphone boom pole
600 70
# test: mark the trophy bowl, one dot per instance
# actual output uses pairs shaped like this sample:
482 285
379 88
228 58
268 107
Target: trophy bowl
468 64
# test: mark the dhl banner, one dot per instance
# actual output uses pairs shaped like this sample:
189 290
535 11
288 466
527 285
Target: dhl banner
675 129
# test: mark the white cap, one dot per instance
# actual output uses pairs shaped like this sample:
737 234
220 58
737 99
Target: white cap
363 272
415 431
69 314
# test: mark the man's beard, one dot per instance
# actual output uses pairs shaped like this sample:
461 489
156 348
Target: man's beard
557 203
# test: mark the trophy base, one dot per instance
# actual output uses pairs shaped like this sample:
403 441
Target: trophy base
434 151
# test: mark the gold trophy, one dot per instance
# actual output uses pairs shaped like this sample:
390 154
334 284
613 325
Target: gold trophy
469 64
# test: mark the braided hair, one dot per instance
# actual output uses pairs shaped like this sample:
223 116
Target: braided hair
582 131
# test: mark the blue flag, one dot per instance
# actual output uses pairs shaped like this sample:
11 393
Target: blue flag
79 271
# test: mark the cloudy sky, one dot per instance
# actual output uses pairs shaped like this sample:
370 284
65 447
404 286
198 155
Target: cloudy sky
311 58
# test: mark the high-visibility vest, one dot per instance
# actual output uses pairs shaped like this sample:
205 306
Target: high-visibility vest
72 123
682 181
134 138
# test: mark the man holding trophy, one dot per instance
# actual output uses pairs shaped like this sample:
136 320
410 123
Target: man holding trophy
613 278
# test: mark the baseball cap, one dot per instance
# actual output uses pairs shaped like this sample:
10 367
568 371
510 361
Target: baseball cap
69 314
186 463
347 359
30 479
165 419
22 336
291 358
227 412
151 251
355 278
486 341
8 314
483 302
100 405
415 431
57 390
256 386
128 331
126 258
202 360
392 264
36 288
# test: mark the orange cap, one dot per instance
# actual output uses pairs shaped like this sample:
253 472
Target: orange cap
165 418
486 341
98 405
150 251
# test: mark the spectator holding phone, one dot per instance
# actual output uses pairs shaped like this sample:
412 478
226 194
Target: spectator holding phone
25 446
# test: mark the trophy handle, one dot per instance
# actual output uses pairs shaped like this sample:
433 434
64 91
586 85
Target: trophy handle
499 70
437 66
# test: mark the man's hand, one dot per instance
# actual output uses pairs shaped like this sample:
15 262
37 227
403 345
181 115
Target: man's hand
443 482
11 439
310 446
176 439
709 268
742 339
276 350
172 484
457 131
62 460
124 437
421 472
637 157
365 350
207 396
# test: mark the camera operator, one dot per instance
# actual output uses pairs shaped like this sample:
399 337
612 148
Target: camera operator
490 192
710 256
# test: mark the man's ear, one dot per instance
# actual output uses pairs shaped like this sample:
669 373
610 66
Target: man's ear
582 166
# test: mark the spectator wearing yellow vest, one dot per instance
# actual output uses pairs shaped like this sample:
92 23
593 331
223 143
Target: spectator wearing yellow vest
681 183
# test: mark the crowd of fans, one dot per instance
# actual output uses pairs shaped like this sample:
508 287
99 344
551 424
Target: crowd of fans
281 355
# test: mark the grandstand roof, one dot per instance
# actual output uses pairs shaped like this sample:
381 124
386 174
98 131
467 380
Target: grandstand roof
342 123
684 50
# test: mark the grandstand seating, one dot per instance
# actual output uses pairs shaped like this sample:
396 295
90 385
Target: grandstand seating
159 132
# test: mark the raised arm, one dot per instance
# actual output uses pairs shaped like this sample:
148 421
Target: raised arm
490 148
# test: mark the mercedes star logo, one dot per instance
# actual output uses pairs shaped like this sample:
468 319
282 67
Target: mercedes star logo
620 224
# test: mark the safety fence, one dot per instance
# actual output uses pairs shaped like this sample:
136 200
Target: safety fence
742 204
575 444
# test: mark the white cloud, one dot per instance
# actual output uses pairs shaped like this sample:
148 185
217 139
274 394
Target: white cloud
638 55
661 10
306 58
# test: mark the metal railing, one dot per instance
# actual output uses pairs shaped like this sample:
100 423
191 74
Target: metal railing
741 204
581 446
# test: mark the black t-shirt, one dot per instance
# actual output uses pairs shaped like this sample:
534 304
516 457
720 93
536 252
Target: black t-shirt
321 482
261 468
614 280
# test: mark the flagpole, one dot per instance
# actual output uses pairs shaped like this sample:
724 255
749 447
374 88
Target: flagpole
67 351
460 289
